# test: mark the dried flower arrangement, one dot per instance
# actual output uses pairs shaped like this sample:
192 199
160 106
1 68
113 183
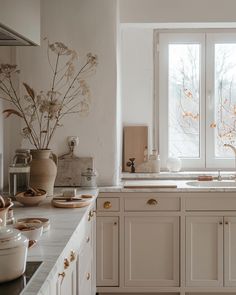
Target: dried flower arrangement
69 93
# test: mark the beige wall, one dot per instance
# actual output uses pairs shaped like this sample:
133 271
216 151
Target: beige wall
158 11
87 26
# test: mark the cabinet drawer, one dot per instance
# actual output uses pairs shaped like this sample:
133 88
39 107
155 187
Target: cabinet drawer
108 204
210 203
152 203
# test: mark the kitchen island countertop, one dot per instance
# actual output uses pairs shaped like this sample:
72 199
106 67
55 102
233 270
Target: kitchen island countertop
63 224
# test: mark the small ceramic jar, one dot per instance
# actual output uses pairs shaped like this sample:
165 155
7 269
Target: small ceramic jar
13 253
88 178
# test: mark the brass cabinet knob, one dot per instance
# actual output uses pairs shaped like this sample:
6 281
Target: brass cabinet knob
88 276
72 255
220 222
90 215
115 223
107 205
226 222
62 274
87 239
66 263
152 202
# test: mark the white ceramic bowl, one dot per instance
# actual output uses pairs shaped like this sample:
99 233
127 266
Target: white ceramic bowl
32 231
31 200
45 222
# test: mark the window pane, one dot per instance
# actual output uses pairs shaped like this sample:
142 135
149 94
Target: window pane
225 98
184 100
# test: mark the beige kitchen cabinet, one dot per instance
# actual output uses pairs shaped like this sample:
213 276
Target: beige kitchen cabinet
66 283
204 251
151 251
107 250
210 251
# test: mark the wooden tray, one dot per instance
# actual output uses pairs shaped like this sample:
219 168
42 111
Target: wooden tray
84 200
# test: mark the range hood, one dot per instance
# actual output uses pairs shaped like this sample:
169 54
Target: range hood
19 22
8 38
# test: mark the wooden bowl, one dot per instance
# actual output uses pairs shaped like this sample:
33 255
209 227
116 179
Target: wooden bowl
31 200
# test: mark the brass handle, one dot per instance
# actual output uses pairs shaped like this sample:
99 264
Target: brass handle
88 276
87 239
220 222
62 274
91 214
107 205
72 255
152 202
115 223
66 263
226 222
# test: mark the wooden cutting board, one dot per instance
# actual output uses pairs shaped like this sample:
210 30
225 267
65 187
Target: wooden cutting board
60 202
135 140
150 184
69 170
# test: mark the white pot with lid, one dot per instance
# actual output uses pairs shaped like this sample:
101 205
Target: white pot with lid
13 253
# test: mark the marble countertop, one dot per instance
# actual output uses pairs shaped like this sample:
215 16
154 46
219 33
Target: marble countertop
182 186
63 223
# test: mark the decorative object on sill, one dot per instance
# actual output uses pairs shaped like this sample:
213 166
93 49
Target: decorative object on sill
19 172
152 165
70 167
173 164
77 202
131 164
135 142
43 170
88 178
145 154
30 198
154 162
5 205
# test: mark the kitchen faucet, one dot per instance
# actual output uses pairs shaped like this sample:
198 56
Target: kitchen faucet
234 150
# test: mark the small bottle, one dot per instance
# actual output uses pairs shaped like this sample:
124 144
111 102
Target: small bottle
155 162
145 154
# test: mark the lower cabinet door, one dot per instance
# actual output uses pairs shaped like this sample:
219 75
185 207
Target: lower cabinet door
152 251
66 283
204 251
107 251
230 251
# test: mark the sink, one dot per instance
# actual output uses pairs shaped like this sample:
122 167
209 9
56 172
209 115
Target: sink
212 184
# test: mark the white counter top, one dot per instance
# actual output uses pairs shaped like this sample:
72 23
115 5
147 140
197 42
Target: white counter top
64 222
182 186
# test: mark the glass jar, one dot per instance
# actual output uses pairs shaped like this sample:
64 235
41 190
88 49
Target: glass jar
19 172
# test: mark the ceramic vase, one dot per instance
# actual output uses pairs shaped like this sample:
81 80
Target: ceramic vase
43 170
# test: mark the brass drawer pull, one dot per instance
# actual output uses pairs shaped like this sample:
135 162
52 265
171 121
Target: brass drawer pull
220 222
62 274
107 205
88 276
72 255
66 263
87 239
226 222
90 215
152 202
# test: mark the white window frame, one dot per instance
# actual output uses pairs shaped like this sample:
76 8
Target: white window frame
207 40
164 40
211 40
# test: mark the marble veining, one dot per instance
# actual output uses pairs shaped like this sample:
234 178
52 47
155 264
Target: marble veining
65 225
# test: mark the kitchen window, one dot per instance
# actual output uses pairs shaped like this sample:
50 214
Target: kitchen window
195 76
